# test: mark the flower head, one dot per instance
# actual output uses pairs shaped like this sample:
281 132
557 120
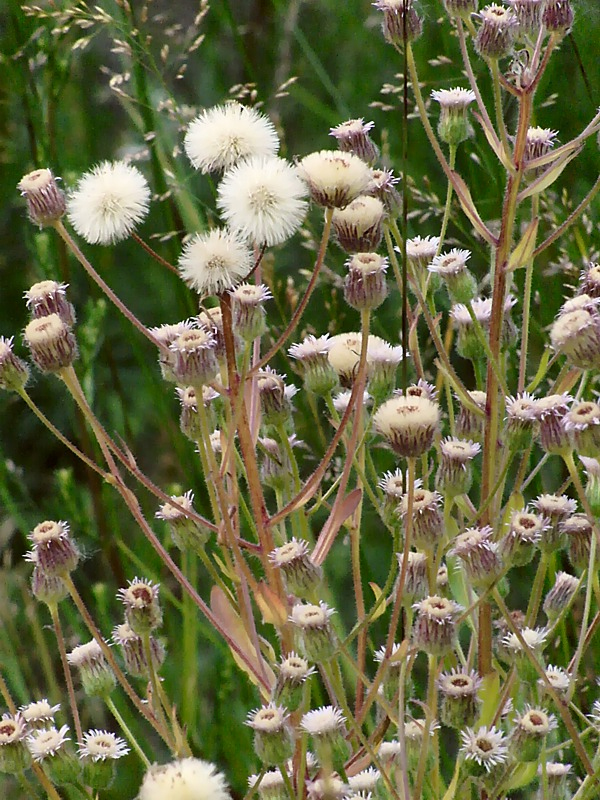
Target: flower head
47 742
45 199
142 609
14 372
224 135
486 746
39 713
102 745
334 179
54 551
262 200
408 423
353 137
108 202
184 779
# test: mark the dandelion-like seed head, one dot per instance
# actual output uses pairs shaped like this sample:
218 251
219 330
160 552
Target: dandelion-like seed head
184 779
215 261
334 178
263 200
222 136
109 202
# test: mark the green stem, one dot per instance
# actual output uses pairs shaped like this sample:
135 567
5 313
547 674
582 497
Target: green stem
67 672
493 65
447 206
535 204
126 731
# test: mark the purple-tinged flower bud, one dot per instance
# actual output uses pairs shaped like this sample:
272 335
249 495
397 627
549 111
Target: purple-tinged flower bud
293 672
530 732
583 423
525 532
455 474
47 588
415 581
142 609
54 551
194 357
434 629
275 396
538 142
589 281
579 531
554 508
470 424
50 297
46 202
302 576
189 420
359 226
459 697
427 519
409 424
560 595
529 17
352 136
316 637
365 286
166 335
496 32
479 555
551 412
14 372
558 16
96 675
273 735
383 186
51 343
400 21
247 308
186 532
14 755
133 652
326 727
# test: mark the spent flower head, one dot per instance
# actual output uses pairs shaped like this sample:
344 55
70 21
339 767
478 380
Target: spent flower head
333 178
353 137
215 261
45 200
184 779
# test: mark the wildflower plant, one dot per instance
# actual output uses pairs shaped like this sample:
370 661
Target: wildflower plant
356 555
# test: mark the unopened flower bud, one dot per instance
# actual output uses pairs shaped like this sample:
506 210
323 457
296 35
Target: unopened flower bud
96 675
186 532
576 335
46 202
315 635
275 396
560 595
558 16
54 551
47 588
293 672
496 32
166 335
134 653
455 474
273 736
275 467
189 419
358 226
51 343
470 424
479 555
302 575
50 297
353 137
415 580
409 424
530 732
365 286
589 281
453 125
434 629
400 21
194 357
427 519
14 372
459 700
529 17
142 609
247 308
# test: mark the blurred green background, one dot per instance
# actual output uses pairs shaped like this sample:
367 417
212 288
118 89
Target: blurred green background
57 109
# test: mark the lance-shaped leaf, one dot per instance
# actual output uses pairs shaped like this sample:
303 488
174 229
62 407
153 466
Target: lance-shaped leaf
523 252
271 607
468 206
496 145
342 508
230 621
548 177
379 601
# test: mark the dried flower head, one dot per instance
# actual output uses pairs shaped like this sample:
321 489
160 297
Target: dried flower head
263 200
365 285
479 555
51 343
461 8
50 297
434 629
486 747
579 531
400 21
589 281
529 16
54 551
521 419
415 580
353 137
109 202
215 261
45 200
469 423
186 531
496 32
358 226
408 423
334 178
222 136
247 308
184 779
